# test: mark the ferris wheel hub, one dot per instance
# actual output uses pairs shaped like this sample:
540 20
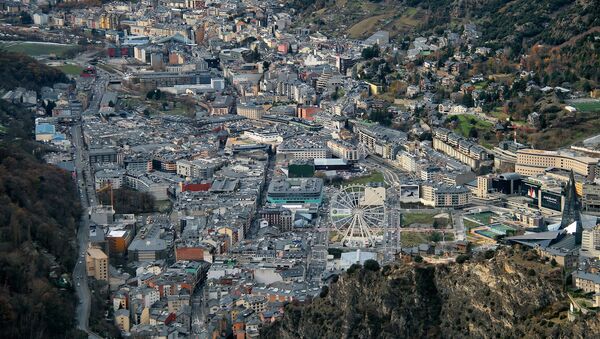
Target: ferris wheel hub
357 212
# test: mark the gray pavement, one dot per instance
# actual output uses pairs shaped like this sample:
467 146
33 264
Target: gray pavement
88 198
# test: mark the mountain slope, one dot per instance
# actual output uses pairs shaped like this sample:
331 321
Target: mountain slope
548 21
39 210
20 70
510 295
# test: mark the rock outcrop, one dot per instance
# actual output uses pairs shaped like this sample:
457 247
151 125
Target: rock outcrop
511 294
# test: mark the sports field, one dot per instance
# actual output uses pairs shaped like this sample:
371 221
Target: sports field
34 49
70 69
483 217
587 105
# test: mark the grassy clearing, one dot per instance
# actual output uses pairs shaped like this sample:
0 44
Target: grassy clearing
409 219
481 85
163 206
587 106
557 137
467 122
410 11
470 224
374 177
483 217
179 110
366 26
36 49
70 69
409 239
408 19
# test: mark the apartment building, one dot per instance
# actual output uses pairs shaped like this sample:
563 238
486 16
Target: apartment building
459 148
408 161
104 155
380 141
96 263
445 195
505 155
590 198
303 149
343 150
588 282
196 168
531 162
250 111
590 242
114 177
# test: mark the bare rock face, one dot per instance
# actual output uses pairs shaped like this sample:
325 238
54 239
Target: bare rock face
510 295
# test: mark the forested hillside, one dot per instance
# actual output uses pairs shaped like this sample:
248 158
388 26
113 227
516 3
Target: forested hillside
561 34
19 70
39 211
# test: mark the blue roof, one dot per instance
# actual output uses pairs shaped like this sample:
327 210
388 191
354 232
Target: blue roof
59 137
67 165
45 128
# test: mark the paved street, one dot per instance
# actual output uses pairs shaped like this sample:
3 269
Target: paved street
88 198
392 175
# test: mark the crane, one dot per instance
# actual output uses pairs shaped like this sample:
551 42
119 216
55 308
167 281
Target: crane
106 187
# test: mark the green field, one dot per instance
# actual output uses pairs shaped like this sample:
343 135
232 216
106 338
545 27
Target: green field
498 114
470 224
417 218
374 177
587 106
467 122
163 206
36 48
70 69
366 26
483 217
481 85
409 239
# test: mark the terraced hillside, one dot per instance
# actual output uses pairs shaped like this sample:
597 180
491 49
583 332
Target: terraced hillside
517 24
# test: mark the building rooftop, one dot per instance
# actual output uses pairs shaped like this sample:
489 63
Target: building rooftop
96 253
296 185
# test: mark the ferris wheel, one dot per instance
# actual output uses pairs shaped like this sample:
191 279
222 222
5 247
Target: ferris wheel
357 213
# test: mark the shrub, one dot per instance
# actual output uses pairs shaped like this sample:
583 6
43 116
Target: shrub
371 265
531 272
462 258
324 291
489 254
418 258
353 268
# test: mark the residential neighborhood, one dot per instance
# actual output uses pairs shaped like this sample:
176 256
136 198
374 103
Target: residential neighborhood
231 160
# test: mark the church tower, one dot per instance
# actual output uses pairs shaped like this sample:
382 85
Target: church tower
572 209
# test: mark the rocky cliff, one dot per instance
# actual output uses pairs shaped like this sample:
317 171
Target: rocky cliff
511 294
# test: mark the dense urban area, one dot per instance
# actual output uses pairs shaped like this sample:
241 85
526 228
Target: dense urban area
299 169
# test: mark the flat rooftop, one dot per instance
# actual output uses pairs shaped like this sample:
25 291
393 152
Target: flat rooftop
296 185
